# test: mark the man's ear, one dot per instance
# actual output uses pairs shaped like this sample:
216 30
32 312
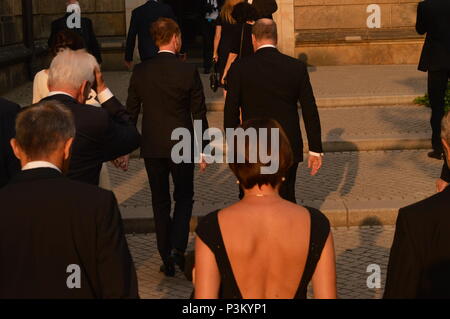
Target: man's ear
16 149
84 92
68 148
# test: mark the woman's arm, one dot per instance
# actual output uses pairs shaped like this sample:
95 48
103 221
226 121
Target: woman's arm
231 58
217 38
324 278
207 276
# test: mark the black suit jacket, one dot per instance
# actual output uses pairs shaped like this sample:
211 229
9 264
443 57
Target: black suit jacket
270 84
9 164
419 263
171 94
433 18
50 222
141 21
103 134
86 32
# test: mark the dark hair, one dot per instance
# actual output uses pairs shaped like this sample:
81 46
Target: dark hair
244 12
162 31
67 39
41 128
249 174
265 29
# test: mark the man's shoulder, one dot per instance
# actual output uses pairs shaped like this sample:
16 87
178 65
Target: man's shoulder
435 206
8 107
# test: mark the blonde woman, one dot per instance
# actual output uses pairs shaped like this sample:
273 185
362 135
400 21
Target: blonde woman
226 31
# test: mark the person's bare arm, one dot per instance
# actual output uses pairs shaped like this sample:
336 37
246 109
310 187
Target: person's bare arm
324 278
207 276
231 58
217 38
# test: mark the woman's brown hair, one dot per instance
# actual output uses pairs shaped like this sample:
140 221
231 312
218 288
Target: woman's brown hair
67 39
227 10
250 173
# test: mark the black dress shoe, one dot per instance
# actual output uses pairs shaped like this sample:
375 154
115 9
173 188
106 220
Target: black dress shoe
179 259
436 155
168 270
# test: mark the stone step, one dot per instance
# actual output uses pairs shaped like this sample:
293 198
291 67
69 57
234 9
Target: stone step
352 188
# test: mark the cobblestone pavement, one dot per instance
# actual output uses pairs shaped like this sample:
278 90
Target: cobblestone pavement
349 176
356 249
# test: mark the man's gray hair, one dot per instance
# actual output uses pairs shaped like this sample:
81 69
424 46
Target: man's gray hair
445 128
69 69
41 128
265 29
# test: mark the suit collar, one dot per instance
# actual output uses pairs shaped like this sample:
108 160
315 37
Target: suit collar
61 98
166 54
35 174
267 50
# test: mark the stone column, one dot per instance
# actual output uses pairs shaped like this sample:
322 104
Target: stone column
130 5
284 18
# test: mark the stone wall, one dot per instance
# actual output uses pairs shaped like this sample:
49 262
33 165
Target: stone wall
335 32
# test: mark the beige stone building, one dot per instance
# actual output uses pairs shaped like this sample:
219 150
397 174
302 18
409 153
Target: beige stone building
323 32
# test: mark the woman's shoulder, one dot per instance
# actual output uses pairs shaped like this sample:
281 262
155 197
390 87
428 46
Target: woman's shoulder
41 75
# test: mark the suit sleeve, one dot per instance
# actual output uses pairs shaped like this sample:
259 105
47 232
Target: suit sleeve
445 174
122 136
114 263
93 43
233 101
421 26
403 272
310 113
131 39
198 107
134 101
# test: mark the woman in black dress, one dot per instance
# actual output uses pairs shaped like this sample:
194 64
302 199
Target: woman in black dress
264 247
225 32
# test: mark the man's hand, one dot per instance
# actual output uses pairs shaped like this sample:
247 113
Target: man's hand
314 163
203 164
441 185
122 163
129 64
101 85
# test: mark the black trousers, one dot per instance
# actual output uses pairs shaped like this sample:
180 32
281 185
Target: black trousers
171 233
208 33
437 86
287 189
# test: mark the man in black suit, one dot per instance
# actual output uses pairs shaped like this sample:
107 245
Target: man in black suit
59 239
270 85
86 32
419 262
171 94
9 165
103 134
433 19
141 21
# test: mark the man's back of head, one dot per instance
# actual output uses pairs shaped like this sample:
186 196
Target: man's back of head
264 31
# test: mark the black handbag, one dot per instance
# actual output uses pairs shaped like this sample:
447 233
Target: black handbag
214 81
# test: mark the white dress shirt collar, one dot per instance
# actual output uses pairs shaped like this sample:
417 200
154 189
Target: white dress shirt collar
167 51
266 46
40 164
59 93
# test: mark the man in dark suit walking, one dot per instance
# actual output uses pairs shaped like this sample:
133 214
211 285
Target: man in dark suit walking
433 19
419 262
171 94
141 21
59 239
86 31
103 134
270 85
9 165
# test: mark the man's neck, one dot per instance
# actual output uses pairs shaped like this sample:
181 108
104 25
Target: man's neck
266 45
56 90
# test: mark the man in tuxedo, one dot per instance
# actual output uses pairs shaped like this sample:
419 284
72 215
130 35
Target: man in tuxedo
141 21
419 262
433 19
9 165
86 32
270 84
103 134
59 239
171 94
